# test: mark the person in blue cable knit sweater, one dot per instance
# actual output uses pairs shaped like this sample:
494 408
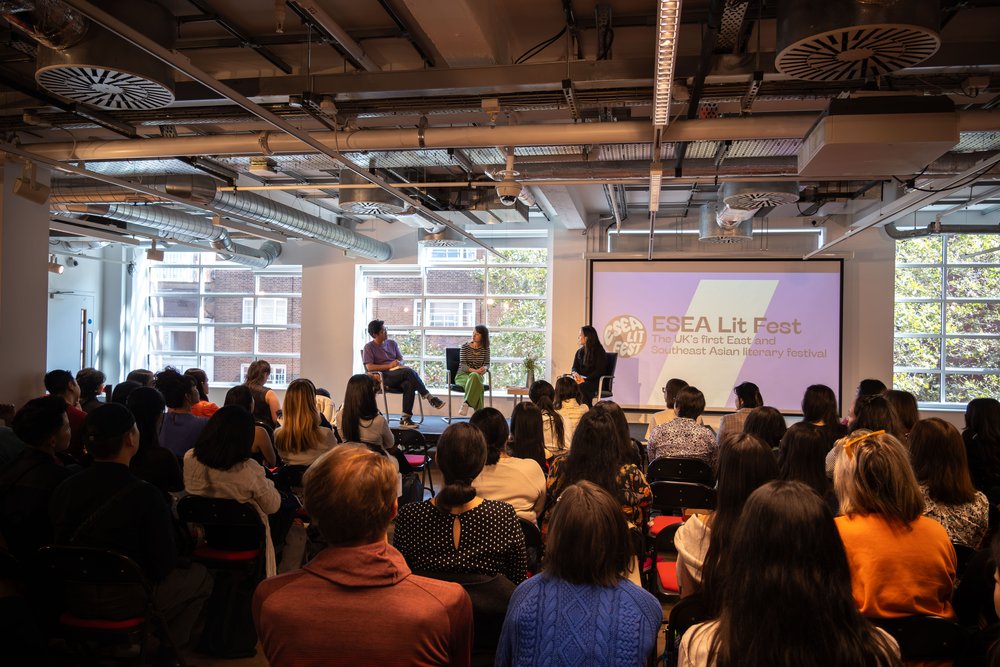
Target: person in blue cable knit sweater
582 610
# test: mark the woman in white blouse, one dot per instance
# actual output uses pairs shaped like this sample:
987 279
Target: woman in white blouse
568 405
519 482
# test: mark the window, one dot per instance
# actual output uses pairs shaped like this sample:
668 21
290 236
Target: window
434 305
947 318
220 317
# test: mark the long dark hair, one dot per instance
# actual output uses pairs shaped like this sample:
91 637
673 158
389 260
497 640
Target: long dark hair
767 424
819 404
359 404
200 380
905 405
626 450
484 336
749 395
542 394
587 520
939 461
802 457
591 456
146 405
461 455
874 412
566 389
745 463
788 599
495 431
227 438
982 418
527 437
592 348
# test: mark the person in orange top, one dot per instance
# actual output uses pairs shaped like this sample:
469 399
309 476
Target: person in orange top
204 407
902 563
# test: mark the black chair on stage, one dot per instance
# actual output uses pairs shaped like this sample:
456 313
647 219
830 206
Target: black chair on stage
605 383
390 390
452 359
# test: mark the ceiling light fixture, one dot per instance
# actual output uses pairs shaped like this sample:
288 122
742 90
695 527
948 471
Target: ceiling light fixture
154 255
668 24
54 265
655 183
26 186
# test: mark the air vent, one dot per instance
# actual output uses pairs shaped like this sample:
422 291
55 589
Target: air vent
759 195
104 88
711 231
841 40
446 238
366 201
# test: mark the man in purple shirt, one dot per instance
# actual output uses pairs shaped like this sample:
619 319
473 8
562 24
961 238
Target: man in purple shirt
383 355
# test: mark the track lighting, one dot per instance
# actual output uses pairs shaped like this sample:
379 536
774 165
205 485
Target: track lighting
154 255
54 265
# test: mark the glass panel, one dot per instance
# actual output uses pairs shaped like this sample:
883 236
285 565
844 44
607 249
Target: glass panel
925 386
173 257
516 313
401 284
513 374
926 250
409 344
226 339
964 388
918 283
436 343
446 313
455 281
176 308
917 352
431 255
230 370
517 344
234 281
981 282
918 317
172 339
522 256
965 249
283 341
973 352
395 312
279 284
973 318
181 363
169 279
227 309
527 281
295 310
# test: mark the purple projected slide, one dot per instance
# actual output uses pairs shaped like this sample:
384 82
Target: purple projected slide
718 323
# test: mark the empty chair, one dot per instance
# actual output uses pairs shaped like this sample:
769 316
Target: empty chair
680 469
605 383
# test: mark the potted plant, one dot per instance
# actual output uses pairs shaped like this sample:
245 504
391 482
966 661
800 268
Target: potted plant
530 363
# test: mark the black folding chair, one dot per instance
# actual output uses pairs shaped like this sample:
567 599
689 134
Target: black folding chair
417 453
670 499
926 637
452 359
605 383
680 469
533 545
688 612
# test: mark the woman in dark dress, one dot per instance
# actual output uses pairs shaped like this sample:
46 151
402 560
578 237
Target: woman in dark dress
589 364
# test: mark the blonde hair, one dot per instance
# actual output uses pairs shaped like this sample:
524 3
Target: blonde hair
300 428
350 493
873 475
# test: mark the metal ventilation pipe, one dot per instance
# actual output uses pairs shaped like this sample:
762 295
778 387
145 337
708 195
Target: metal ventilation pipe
936 227
241 254
201 190
77 247
49 22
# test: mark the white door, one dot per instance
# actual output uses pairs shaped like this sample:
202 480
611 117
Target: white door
70 332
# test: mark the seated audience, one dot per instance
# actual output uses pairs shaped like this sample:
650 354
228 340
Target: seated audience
703 541
62 384
108 507
141 376
204 407
527 437
351 495
902 563
589 363
872 412
569 406
905 405
563 615
263 444
802 458
153 463
635 451
767 424
747 398
516 481
684 436
866 388
382 354
179 429
599 456
91 382
360 421
458 531
787 600
819 411
27 483
982 445
122 390
938 458
302 440
542 394
219 466
267 408
670 390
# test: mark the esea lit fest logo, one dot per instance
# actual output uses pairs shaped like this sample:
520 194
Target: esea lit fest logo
625 335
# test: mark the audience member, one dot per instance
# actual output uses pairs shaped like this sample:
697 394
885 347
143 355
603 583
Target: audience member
302 440
802 458
458 531
122 390
589 363
11 446
543 394
941 468
819 411
902 563
204 407
382 354
766 423
153 463
474 362
787 600
633 450
62 384
91 382
179 429
360 421
747 398
670 390
106 506
868 387
703 541
569 406
351 495
527 437
872 412
516 481
565 614
905 405
982 445
267 408
141 376
219 466
26 484
263 443
684 436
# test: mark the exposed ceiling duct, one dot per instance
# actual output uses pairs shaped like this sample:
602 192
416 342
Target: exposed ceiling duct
366 200
446 238
839 40
936 227
759 195
711 231
76 247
